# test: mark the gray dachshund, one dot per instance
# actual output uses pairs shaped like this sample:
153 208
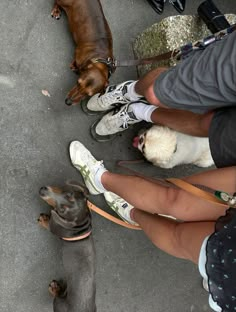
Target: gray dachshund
70 219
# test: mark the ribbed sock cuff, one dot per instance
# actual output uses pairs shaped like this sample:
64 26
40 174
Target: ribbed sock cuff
148 112
143 111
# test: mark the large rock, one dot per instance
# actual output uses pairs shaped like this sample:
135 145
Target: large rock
172 32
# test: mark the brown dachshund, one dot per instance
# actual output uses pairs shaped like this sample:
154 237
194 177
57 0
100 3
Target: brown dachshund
94 48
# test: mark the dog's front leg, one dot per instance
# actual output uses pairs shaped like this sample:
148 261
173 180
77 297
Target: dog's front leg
56 11
43 220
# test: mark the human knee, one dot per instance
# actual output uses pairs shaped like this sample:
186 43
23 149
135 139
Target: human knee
172 200
173 242
179 242
150 96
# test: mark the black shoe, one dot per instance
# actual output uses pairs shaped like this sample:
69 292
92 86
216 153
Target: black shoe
179 5
157 5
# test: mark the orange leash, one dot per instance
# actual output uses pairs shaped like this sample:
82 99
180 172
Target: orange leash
196 191
110 217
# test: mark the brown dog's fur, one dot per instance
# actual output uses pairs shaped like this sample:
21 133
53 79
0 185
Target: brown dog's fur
93 39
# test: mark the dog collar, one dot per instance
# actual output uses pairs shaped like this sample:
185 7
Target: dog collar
80 237
110 62
69 230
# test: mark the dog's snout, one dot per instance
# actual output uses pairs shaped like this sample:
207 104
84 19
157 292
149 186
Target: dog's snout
68 101
43 191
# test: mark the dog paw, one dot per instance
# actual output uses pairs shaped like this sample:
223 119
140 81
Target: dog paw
43 220
55 289
205 161
56 12
74 67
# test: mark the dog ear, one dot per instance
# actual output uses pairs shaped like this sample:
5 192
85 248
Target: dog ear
79 186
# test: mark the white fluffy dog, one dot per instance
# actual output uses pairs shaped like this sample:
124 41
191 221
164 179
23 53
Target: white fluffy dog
167 148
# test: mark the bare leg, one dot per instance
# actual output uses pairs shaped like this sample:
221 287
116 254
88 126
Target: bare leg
144 86
183 121
156 199
182 240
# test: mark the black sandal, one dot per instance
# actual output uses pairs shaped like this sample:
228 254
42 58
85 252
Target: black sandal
179 5
157 5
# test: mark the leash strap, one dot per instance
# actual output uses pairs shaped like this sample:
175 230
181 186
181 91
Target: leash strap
190 188
149 60
179 53
110 217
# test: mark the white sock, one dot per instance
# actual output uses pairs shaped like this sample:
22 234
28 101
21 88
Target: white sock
97 179
132 94
143 111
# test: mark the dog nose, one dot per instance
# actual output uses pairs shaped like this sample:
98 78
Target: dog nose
43 191
68 101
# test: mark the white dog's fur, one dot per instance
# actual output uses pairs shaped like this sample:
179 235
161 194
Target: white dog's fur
167 148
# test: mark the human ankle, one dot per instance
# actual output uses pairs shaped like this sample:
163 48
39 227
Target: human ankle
103 180
143 111
98 179
131 93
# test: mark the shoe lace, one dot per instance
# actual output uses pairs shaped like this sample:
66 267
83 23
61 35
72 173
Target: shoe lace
115 95
98 164
125 117
125 121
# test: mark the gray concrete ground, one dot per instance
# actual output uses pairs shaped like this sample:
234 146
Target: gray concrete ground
132 275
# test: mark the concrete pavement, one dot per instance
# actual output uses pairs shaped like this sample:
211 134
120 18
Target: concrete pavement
132 275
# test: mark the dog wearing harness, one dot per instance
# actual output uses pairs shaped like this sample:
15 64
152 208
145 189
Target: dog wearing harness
70 219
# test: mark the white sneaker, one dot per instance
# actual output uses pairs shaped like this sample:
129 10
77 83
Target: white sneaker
115 95
88 166
119 119
120 206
